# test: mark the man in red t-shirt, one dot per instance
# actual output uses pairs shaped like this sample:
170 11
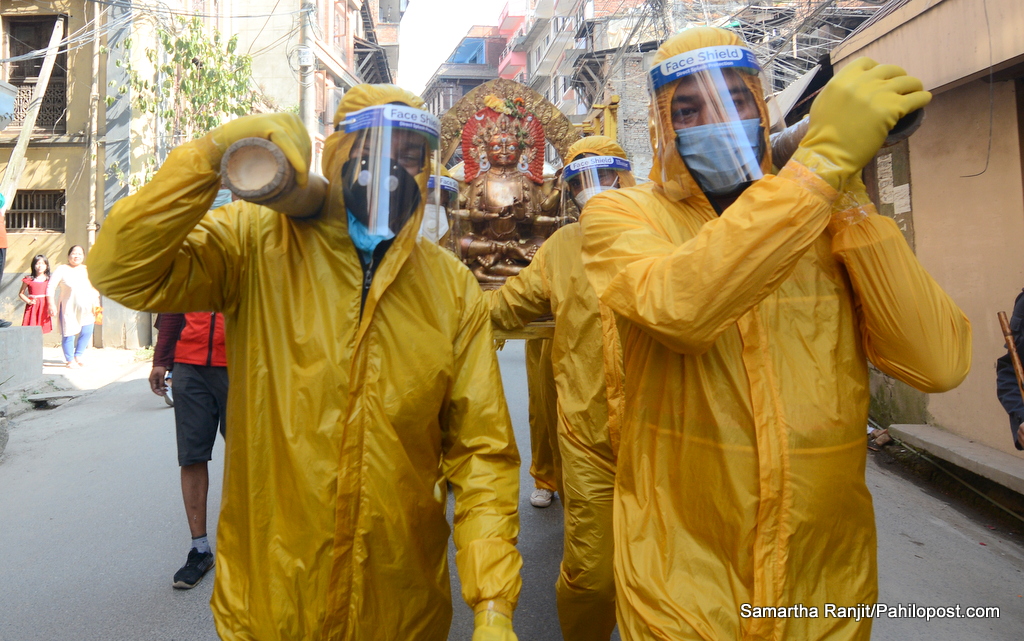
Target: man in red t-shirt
193 345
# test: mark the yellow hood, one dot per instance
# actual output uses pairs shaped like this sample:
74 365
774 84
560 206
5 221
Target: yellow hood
339 144
678 183
602 146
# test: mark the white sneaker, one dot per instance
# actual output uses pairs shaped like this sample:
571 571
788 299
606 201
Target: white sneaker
541 497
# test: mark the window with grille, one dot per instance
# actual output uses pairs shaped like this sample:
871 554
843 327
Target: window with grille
36 210
21 36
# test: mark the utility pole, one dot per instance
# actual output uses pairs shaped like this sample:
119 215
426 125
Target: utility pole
16 165
307 65
94 132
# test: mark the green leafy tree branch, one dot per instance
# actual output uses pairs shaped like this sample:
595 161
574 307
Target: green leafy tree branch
196 82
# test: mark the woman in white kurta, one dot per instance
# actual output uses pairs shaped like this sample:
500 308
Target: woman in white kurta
75 307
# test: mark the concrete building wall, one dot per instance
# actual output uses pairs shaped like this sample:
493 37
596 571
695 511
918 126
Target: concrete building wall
968 229
943 43
969 235
272 43
50 167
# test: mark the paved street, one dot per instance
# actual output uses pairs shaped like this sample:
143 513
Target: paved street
92 528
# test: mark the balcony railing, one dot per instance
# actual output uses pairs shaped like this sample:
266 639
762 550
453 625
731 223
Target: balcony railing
52 118
511 64
555 48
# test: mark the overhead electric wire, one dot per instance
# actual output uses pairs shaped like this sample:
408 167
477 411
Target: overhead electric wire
991 95
260 32
175 12
287 34
73 42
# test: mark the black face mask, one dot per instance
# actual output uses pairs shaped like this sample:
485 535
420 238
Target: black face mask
403 200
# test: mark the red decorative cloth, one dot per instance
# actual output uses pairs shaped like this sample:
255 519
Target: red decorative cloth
38 314
519 122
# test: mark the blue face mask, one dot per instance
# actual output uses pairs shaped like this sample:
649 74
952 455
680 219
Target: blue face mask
223 198
361 237
722 156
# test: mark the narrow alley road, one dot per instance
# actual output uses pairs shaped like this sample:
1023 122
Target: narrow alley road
92 529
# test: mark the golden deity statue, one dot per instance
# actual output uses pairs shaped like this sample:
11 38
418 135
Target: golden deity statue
506 209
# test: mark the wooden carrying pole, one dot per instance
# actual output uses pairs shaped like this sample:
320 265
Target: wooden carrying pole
1012 347
256 170
16 165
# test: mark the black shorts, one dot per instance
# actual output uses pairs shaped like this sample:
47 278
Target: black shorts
200 405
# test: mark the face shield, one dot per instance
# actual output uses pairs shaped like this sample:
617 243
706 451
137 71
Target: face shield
713 114
383 178
584 178
441 194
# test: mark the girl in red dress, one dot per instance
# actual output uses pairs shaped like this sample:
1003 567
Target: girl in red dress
33 292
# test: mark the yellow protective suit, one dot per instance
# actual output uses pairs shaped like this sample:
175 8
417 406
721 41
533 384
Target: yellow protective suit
546 461
555 283
346 425
745 342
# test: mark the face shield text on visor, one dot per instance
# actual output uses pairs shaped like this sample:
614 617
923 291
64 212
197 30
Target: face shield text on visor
587 177
392 146
714 116
435 213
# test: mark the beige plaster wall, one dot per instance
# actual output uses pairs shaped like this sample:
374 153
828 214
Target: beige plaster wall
970 238
272 43
52 168
943 42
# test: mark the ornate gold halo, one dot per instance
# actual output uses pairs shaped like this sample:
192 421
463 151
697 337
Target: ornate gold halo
558 130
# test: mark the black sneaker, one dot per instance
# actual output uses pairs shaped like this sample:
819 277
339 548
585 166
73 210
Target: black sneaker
4 323
190 574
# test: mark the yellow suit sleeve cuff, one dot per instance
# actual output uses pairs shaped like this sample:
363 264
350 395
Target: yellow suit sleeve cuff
796 172
850 208
822 166
210 150
501 606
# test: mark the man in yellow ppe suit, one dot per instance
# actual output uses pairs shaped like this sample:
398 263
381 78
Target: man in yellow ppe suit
363 381
750 305
555 283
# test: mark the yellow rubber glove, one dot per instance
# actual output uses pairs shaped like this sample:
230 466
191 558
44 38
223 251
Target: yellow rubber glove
283 129
491 623
853 114
852 206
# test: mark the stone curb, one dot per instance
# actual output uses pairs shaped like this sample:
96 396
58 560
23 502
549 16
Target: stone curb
1002 468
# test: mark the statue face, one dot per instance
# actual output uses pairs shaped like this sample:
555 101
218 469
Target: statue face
503 150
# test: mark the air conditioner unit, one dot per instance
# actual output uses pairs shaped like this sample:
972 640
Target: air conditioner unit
334 96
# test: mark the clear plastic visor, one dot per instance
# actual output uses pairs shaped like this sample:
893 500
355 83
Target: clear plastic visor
443 191
382 179
586 177
441 194
714 117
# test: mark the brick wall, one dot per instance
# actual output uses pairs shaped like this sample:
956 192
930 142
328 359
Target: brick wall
387 33
629 81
